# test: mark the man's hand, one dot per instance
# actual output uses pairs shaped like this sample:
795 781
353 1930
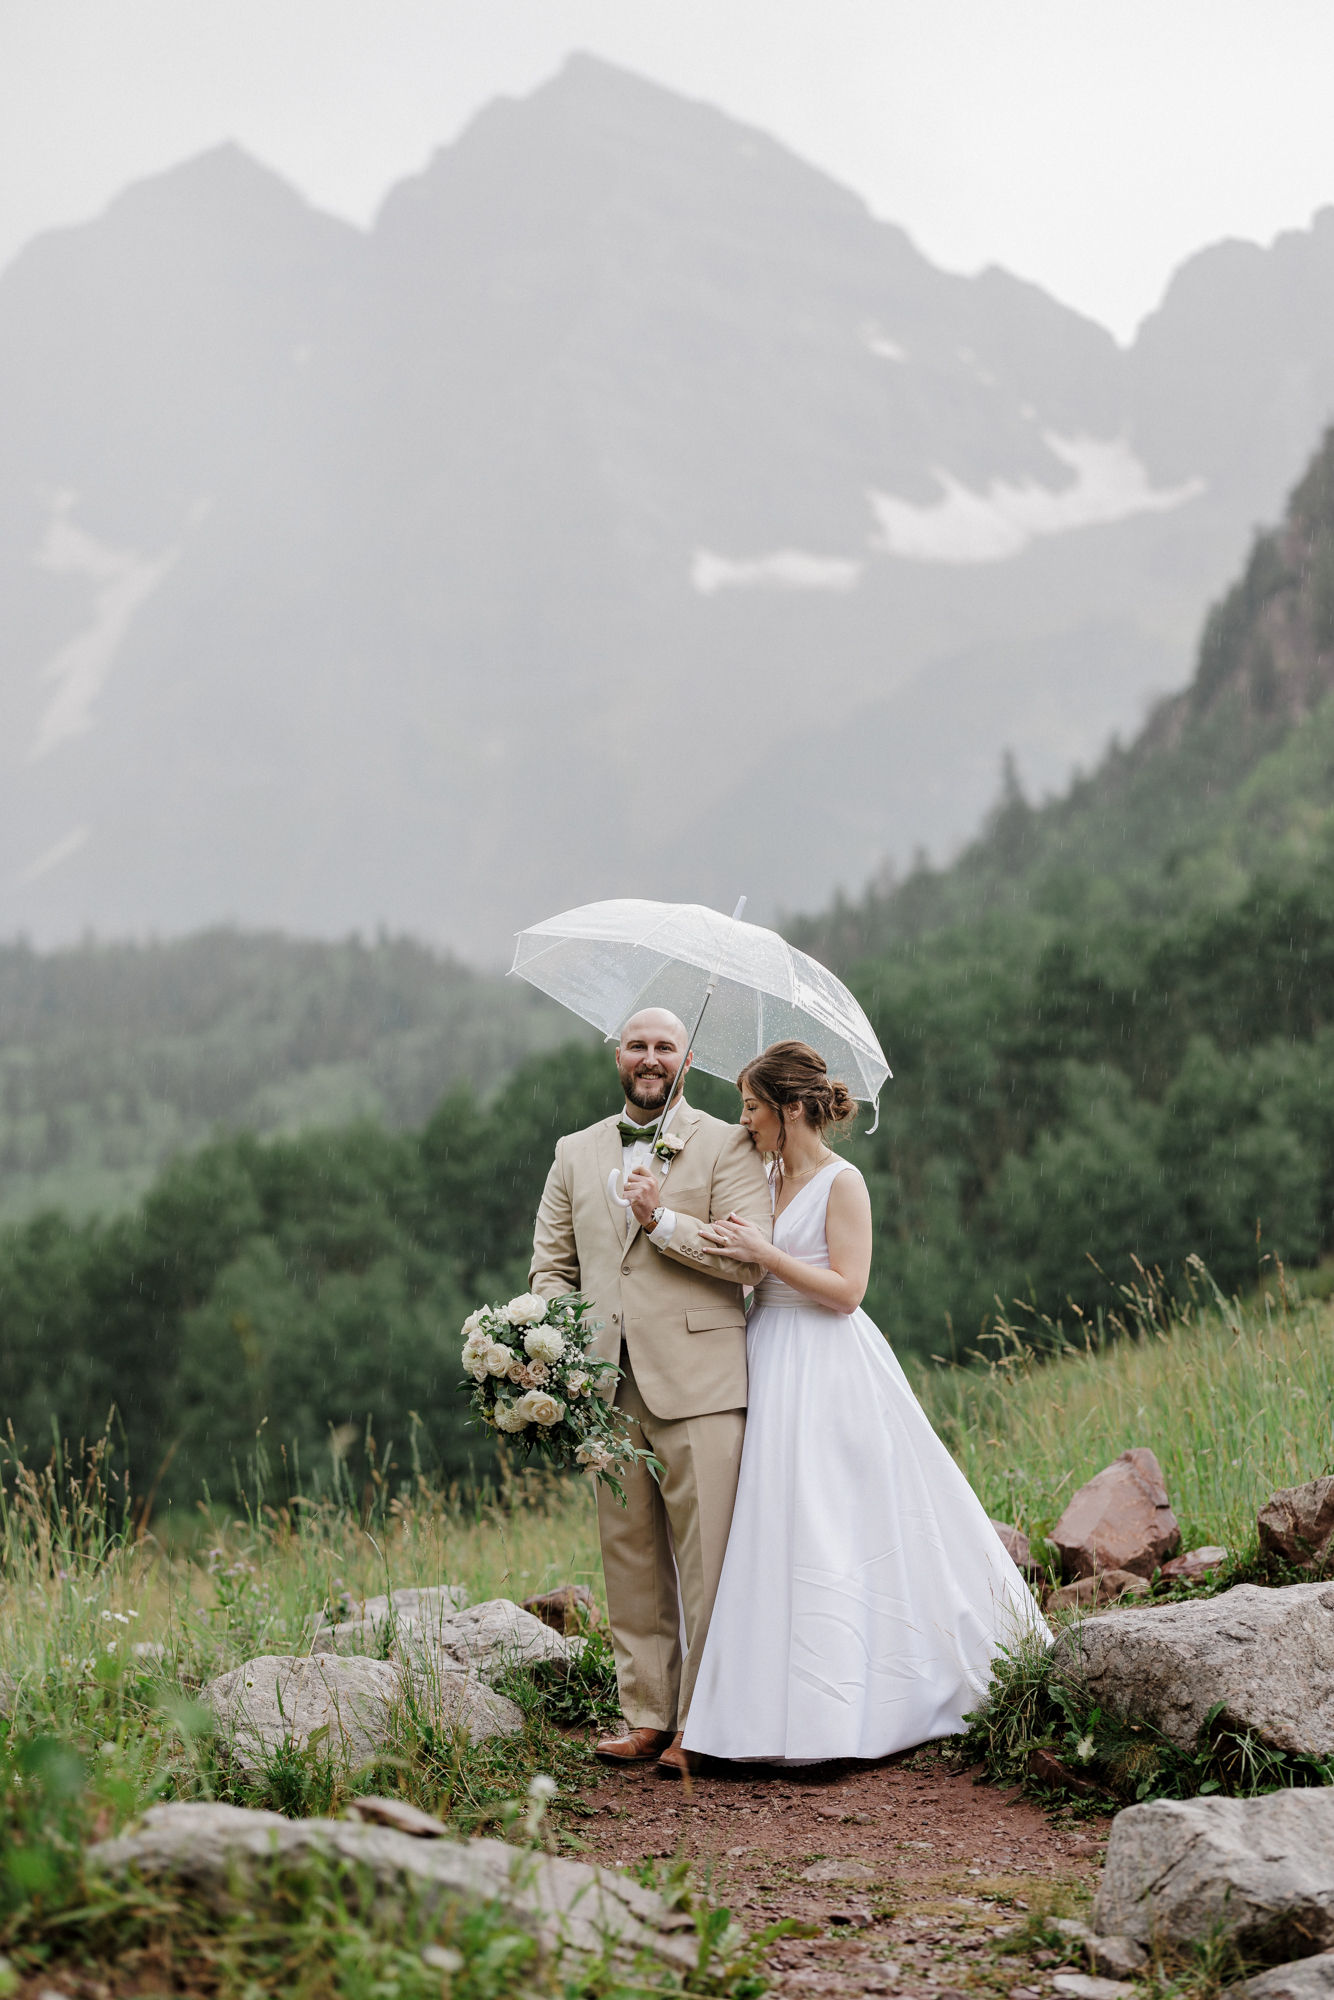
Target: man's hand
641 1191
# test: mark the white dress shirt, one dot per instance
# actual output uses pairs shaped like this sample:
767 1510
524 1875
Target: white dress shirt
639 1153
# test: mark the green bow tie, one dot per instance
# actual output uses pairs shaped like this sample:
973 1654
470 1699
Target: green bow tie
632 1134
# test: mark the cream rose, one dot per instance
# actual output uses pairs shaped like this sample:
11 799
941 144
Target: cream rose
595 1455
526 1310
544 1343
472 1325
511 1416
575 1381
539 1407
496 1358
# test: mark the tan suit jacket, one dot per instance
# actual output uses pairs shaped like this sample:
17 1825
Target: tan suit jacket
680 1310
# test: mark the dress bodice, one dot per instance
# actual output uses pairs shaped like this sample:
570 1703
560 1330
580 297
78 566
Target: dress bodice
800 1232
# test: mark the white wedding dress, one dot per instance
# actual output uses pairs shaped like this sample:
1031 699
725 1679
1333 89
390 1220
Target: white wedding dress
864 1591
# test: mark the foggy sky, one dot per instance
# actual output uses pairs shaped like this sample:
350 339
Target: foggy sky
1087 144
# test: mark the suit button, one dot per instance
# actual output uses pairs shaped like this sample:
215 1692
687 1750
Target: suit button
625 1270
616 1319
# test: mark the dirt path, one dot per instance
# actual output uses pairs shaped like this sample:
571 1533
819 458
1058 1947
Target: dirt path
911 1872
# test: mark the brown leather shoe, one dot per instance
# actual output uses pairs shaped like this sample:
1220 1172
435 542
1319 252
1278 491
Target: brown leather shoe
637 1746
676 1762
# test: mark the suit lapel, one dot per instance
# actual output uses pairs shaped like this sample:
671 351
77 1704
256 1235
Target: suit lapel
611 1157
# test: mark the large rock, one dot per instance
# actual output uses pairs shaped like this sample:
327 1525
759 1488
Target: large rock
496 1635
1120 1519
1017 1547
219 1853
1260 1871
1266 1655
1305 1979
1194 1565
1108 1586
570 1609
486 1638
371 1624
277 1699
1297 1523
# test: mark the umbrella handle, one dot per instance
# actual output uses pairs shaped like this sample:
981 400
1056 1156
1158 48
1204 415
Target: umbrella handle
616 1175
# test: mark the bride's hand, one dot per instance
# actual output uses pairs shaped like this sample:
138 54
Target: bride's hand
734 1237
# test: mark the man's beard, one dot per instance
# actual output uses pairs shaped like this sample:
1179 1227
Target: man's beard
647 1093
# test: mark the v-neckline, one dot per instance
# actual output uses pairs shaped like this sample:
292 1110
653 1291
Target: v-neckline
779 1213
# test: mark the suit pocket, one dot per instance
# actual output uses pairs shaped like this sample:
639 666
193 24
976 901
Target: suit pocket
715 1319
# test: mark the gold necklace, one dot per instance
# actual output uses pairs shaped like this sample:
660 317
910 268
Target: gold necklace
806 1172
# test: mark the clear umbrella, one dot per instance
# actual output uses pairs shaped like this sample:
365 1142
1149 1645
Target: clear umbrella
740 987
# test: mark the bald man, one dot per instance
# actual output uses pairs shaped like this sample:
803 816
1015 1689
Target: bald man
673 1319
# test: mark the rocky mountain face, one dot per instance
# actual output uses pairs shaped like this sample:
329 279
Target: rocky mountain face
349 578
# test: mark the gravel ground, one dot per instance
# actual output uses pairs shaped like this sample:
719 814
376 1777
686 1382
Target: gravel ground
914 1877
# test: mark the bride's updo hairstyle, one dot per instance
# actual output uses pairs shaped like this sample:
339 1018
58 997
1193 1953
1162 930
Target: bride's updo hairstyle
791 1076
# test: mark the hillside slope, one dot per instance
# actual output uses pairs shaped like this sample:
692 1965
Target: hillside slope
114 1058
1231 778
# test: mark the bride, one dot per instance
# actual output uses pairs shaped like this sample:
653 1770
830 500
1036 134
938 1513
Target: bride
864 1591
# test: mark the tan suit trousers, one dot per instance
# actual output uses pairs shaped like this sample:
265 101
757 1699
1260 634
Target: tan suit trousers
674 1529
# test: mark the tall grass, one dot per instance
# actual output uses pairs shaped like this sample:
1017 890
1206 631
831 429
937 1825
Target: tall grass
1235 1398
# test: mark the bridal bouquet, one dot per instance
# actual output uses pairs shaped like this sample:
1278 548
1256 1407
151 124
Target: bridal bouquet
535 1383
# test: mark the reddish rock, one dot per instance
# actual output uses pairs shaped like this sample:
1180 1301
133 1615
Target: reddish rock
1107 1587
1120 1520
1297 1523
1045 1768
1015 1544
570 1609
1196 1563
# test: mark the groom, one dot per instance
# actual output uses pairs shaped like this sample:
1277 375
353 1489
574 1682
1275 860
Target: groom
673 1320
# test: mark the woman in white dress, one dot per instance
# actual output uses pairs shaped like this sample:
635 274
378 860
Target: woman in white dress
864 1592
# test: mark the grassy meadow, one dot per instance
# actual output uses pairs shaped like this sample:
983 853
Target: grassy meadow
108 1636
1235 1398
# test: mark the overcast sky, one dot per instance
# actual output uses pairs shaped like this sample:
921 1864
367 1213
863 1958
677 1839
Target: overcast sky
1087 144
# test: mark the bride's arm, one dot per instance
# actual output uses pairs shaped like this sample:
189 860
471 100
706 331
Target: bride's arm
847 1230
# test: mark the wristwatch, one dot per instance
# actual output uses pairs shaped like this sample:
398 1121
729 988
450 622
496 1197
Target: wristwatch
656 1218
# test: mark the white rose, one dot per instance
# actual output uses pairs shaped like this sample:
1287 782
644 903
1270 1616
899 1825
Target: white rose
496 1358
526 1310
472 1324
540 1408
476 1367
575 1381
544 1343
511 1416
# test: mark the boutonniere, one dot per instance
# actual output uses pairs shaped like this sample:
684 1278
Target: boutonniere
668 1146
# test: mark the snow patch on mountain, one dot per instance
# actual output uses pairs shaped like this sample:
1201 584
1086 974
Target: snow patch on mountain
123 581
784 569
1110 484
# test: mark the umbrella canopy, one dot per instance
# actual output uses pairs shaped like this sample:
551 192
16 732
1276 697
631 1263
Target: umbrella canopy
606 961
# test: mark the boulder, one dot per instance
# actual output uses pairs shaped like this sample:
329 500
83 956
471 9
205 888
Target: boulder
1194 1566
572 1608
493 1636
1266 1655
1016 1546
221 1853
1109 1586
1306 1979
370 1624
424 1628
1297 1523
1259 1871
276 1700
1120 1519
1116 1957
1087 1986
